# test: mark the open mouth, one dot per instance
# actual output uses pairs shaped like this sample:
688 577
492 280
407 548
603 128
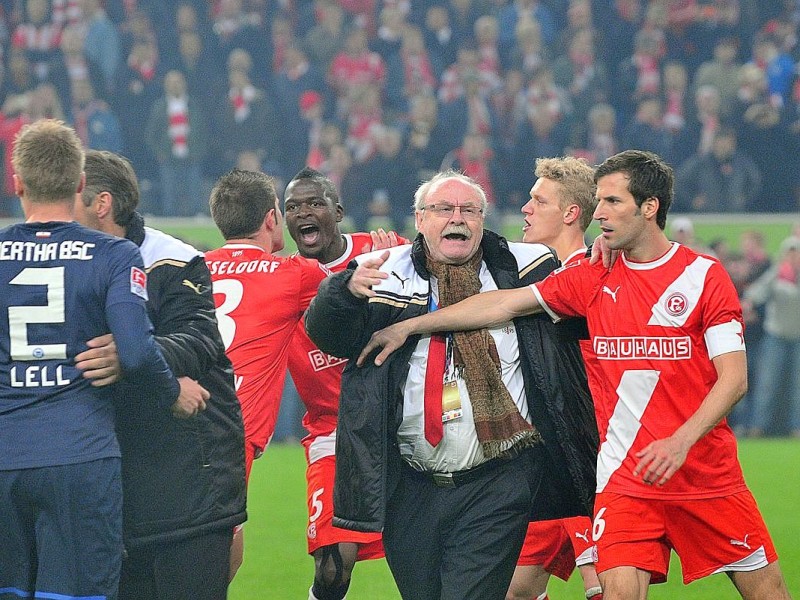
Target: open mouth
309 234
458 237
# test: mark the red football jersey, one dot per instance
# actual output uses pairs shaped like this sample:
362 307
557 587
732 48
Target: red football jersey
316 375
260 298
655 328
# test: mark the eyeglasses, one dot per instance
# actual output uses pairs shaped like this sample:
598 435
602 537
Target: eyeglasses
468 211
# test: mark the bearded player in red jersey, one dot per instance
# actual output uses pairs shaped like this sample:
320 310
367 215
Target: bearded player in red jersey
667 329
313 213
260 299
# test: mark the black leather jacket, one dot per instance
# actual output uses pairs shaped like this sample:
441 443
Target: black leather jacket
370 409
180 477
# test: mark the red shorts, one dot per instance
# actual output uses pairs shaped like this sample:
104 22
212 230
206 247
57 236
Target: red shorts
558 545
320 531
710 535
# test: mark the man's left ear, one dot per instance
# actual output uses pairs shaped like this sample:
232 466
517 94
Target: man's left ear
339 213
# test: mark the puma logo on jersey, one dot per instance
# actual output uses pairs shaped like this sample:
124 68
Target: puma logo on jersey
197 287
400 279
611 293
743 543
583 536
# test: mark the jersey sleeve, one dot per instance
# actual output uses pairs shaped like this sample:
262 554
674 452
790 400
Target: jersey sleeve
722 314
126 315
312 273
185 320
565 292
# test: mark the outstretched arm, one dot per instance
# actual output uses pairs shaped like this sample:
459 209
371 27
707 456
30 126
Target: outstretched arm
487 309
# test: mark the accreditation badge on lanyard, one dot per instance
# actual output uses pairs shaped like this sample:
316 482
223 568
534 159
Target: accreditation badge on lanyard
451 397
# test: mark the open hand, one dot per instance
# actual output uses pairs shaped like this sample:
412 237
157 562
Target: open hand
382 239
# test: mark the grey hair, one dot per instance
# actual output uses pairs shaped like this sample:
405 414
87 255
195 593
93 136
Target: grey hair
424 190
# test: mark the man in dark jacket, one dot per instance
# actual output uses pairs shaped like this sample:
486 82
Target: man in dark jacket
183 480
456 442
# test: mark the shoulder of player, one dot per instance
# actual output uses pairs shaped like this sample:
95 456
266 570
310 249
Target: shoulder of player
161 249
533 259
397 256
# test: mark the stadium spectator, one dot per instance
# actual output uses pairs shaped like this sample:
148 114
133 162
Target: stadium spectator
675 99
778 290
752 263
95 123
646 131
184 488
71 65
558 212
722 72
600 140
585 80
61 497
764 129
389 36
327 37
388 178
38 36
428 139
440 39
409 73
528 53
680 475
520 10
724 180
177 135
353 69
245 117
101 42
313 212
138 85
447 496
698 137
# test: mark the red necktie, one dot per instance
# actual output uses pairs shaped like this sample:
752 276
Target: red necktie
434 385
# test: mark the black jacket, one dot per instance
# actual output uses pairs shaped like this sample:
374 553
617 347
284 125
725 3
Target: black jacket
181 477
370 409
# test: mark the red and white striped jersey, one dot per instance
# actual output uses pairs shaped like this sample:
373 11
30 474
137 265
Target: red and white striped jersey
655 328
260 298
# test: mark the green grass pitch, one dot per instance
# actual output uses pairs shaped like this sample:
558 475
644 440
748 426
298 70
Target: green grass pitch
276 565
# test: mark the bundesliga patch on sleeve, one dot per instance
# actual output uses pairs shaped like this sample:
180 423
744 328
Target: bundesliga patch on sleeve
139 282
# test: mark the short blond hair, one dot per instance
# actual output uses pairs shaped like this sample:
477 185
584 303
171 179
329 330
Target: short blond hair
576 177
48 159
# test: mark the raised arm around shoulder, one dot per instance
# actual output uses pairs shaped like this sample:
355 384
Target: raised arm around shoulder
487 309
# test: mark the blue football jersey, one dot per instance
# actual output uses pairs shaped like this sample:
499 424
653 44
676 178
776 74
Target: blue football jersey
62 284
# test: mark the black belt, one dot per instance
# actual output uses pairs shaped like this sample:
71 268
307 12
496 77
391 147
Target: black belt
457 478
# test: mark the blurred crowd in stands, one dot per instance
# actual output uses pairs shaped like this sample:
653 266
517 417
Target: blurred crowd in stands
378 94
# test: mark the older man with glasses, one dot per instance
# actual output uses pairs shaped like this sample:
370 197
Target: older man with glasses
458 440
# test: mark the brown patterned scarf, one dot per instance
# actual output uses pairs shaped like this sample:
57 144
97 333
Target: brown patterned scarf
498 423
